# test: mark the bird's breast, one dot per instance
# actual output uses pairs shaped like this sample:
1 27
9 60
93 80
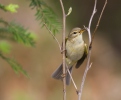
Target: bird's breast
74 50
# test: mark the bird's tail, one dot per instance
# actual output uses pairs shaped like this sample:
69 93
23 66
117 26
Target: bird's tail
57 74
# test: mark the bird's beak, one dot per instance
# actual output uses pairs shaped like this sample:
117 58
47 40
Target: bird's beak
82 30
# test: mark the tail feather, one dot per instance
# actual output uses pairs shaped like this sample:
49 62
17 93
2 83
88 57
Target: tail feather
59 71
68 78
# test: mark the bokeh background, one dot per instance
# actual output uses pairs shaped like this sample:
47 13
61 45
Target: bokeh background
103 81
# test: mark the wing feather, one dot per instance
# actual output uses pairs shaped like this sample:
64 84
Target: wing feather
83 57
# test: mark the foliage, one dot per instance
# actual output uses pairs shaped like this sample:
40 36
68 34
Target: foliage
5 47
11 8
17 33
15 66
46 15
14 32
69 11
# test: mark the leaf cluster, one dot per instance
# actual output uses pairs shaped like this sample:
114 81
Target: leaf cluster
14 32
11 7
15 65
46 15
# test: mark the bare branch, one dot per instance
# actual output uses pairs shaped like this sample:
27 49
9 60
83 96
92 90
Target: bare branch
99 20
71 77
53 36
63 53
90 22
89 53
90 66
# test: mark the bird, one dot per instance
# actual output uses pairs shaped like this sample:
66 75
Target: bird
76 52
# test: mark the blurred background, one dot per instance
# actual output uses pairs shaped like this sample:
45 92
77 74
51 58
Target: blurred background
103 80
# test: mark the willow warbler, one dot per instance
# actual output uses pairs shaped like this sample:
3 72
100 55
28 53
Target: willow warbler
76 52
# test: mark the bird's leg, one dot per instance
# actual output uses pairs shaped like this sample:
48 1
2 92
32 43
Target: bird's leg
63 75
62 51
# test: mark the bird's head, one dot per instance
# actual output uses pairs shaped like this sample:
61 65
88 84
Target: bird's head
75 32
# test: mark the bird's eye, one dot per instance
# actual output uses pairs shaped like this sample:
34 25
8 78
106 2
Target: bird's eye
74 33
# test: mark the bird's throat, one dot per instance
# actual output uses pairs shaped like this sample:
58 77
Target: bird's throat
77 40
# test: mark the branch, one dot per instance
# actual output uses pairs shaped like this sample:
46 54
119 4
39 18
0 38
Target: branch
89 53
63 53
71 77
90 22
99 21
53 36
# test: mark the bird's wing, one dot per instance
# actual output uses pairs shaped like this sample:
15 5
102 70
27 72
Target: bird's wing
79 62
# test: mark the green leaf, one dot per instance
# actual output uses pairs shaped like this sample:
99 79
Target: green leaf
46 15
5 47
17 67
16 32
37 3
14 65
11 8
69 11
21 34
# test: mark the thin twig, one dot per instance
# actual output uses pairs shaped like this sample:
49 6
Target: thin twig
89 53
71 77
90 66
90 22
99 20
53 36
63 53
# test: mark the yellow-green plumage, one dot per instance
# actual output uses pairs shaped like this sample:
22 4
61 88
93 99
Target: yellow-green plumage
76 52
